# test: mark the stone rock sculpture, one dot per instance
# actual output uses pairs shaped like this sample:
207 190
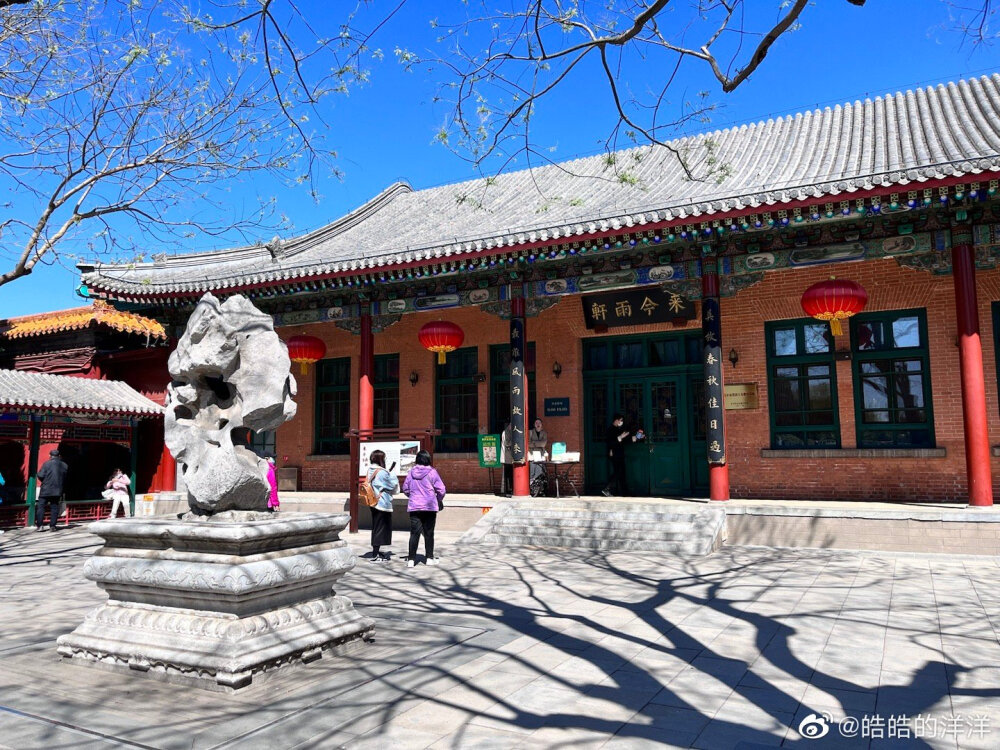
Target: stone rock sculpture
226 593
230 375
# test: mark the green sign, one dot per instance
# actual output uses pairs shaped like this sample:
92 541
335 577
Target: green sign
489 451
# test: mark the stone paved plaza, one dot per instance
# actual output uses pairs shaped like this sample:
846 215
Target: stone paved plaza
534 648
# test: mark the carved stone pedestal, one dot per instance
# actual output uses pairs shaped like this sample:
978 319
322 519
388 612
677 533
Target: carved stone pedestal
214 602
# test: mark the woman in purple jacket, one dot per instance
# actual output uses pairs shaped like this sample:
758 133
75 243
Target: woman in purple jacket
425 490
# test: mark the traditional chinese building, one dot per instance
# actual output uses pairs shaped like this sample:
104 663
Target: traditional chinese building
665 284
111 420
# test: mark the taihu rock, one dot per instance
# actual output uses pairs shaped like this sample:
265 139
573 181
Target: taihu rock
230 375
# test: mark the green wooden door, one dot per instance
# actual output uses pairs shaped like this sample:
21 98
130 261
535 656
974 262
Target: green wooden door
666 443
655 381
597 417
658 465
632 401
698 458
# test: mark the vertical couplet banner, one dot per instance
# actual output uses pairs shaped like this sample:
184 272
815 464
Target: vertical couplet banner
518 382
712 357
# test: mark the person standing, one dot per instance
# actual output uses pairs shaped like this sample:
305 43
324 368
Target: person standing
119 486
273 503
618 435
507 459
386 485
52 477
425 490
538 438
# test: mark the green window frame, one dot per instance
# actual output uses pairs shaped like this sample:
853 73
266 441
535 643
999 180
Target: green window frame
456 401
892 380
995 309
333 406
802 385
386 388
639 352
500 386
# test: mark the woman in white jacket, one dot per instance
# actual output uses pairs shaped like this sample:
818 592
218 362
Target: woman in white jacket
118 488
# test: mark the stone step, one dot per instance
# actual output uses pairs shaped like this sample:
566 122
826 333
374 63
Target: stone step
686 547
581 532
599 523
639 516
610 526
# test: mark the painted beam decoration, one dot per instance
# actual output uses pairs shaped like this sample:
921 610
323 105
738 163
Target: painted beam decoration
632 307
518 383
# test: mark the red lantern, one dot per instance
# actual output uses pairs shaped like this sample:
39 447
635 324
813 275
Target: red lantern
305 350
441 337
834 300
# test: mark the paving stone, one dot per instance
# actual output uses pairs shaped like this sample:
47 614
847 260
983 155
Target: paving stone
539 648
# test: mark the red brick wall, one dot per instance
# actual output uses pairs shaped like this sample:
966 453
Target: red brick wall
558 333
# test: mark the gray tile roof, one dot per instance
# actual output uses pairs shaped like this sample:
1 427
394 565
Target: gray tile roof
897 140
22 391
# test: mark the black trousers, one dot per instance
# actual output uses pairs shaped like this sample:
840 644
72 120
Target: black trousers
381 528
507 483
616 481
422 522
53 503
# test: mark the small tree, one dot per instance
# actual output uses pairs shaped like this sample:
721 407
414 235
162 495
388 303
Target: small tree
119 110
502 62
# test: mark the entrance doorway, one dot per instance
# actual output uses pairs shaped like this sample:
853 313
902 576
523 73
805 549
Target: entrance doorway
656 383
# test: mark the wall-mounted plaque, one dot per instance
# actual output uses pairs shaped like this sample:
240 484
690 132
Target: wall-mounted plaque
740 395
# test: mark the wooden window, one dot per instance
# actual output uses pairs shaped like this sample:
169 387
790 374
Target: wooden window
386 391
457 401
802 383
500 386
333 405
892 384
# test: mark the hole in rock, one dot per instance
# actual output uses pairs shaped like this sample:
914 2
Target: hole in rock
241 435
221 389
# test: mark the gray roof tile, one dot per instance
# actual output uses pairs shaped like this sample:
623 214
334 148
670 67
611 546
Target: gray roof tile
895 140
20 390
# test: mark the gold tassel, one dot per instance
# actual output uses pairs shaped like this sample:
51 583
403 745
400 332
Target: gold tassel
835 327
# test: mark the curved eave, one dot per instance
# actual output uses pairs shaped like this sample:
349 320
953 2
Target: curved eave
527 240
24 408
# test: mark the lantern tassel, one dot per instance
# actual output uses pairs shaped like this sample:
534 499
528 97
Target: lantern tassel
303 368
441 358
835 328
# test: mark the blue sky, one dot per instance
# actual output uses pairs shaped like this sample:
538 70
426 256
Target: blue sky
385 131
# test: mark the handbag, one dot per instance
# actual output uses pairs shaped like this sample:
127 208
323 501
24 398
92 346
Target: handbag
108 494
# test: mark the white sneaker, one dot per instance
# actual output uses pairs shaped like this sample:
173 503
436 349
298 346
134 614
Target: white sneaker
410 563
432 561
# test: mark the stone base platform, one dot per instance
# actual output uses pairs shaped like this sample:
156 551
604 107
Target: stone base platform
217 602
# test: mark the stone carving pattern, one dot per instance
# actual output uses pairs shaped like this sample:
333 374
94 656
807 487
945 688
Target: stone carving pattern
194 576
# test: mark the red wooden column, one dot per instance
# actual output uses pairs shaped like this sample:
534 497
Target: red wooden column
519 396
366 368
970 353
715 415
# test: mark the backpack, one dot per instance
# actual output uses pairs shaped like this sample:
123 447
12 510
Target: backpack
366 493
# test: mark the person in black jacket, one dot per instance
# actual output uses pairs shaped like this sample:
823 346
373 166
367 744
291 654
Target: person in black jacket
618 435
52 476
